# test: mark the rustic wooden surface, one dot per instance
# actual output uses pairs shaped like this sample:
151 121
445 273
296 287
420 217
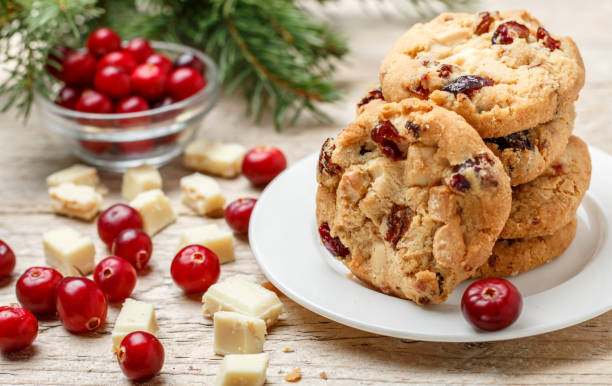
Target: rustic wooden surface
28 153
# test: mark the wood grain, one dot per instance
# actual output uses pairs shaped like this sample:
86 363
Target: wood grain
28 153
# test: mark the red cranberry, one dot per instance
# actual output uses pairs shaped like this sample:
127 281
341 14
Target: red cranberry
132 104
333 244
374 94
36 289
485 23
140 356
508 31
137 147
116 219
549 42
161 61
139 48
238 214
18 328
96 147
262 163
188 59
102 41
78 69
184 82
68 97
81 304
7 260
166 101
55 59
113 81
195 268
133 245
92 101
148 81
116 278
491 304
118 59
386 136
467 84
459 183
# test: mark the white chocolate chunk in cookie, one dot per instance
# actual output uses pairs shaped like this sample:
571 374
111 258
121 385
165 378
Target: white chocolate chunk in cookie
218 240
155 209
222 159
77 174
78 201
202 194
235 333
69 252
140 179
243 370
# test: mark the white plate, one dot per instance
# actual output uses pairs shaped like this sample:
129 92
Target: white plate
571 289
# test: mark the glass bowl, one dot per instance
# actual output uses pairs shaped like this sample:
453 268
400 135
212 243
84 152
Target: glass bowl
119 141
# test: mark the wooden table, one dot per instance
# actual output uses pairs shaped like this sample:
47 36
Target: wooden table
28 153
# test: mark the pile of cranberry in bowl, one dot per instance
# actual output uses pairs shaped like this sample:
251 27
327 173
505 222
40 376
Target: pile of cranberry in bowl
119 104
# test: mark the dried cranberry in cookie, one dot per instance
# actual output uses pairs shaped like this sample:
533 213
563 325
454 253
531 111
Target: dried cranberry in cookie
411 199
374 94
482 66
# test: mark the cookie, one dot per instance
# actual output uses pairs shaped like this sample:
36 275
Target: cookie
514 256
526 154
502 71
542 206
410 199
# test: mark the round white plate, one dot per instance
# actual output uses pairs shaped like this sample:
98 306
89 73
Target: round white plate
571 289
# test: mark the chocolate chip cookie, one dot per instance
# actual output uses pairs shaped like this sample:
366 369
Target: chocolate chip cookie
514 256
542 206
410 199
502 71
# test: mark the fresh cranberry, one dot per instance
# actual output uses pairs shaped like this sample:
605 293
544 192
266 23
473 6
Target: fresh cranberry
102 41
68 97
238 214
118 59
96 147
55 57
549 42
133 245
139 48
137 147
116 278
36 289
170 139
81 304
333 244
7 260
92 101
116 219
165 101
149 81
195 268
467 84
132 104
262 163
508 31
188 59
184 82
161 61
78 69
140 356
113 81
18 328
491 304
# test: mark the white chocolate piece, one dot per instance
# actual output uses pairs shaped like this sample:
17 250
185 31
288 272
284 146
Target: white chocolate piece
241 295
78 174
69 252
243 370
78 201
202 194
218 240
238 334
134 316
140 179
221 159
155 209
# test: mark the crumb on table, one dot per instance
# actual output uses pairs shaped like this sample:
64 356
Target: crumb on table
294 376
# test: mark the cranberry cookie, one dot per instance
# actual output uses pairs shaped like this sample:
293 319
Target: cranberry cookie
502 71
514 256
410 199
542 206
526 154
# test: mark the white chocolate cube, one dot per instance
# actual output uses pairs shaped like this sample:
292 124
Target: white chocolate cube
134 316
155 209
202 194
241 295
78 174
140 179
238 334
69 252
78 201
218 240
221 159
243 370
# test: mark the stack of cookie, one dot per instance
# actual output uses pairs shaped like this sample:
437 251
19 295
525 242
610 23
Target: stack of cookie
515 85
